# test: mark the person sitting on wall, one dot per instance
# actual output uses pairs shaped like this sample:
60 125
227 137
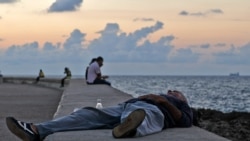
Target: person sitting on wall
94 73
40 75
86 71
68 76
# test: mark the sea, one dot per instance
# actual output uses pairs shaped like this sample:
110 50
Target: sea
222 93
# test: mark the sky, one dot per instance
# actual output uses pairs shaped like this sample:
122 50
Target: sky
135 37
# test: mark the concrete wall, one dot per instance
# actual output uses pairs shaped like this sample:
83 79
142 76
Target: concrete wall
46 82
1 79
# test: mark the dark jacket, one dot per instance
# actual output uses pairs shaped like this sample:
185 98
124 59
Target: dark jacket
187 115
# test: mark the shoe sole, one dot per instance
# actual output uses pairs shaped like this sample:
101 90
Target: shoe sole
131 123
15 129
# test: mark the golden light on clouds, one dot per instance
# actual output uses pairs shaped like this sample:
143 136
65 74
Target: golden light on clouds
28 20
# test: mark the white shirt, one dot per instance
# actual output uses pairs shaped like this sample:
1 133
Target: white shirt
93 70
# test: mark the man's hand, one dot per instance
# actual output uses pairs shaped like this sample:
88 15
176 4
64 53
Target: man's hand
105 77
156 98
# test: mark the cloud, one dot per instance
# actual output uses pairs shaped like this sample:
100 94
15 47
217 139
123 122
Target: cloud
113 44
27 53
118 47
143 19
234 55
184 13
65 5
201 14
184 55
8 1
0 17
205 46
75 40
217 11
111 28
1 39
220 45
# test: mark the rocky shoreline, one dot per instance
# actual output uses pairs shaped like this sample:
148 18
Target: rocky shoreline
234 126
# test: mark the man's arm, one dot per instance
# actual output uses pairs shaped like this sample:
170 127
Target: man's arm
175 112
99 75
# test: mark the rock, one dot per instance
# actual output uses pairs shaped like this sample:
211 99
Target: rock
234 126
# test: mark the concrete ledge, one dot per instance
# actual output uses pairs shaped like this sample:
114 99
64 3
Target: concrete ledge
78 94
45 82
19 80
1 79
52 82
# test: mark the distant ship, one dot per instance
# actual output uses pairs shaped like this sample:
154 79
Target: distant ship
234 74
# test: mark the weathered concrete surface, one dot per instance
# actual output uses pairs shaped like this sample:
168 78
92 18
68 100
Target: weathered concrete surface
78 94
1 79
45 82
26 102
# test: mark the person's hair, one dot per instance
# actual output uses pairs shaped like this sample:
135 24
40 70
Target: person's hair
92 61
183 96
99 58
66 69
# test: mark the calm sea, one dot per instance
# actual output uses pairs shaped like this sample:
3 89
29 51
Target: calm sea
223 93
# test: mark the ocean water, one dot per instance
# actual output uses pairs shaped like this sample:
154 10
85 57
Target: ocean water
223 93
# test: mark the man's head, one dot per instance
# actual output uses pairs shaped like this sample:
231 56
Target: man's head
177 94
99 60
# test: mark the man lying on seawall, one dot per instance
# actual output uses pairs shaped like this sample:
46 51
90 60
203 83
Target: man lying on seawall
136 117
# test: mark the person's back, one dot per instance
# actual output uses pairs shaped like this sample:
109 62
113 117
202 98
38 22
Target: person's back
86 71
68 72
93 70
41 74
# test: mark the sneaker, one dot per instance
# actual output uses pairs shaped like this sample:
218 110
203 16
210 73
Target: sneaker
21 129
129 126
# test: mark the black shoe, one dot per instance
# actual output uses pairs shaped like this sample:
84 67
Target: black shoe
21 129
129 126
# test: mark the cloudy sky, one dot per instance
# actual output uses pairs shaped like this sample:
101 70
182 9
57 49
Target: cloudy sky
145 37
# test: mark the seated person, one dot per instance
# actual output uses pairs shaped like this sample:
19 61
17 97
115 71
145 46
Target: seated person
94 75
40 75
68 76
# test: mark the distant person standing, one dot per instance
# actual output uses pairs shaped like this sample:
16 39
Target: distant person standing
40 75
94 75
68 75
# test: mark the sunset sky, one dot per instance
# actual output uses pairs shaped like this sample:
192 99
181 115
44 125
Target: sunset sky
145 37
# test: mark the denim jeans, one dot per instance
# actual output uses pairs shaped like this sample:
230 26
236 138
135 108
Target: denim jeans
101 81
106 118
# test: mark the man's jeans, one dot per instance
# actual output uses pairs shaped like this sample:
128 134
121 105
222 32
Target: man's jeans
101 81
106 118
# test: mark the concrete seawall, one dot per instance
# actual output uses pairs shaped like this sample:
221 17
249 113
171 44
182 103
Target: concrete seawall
77 94
45 82
26 102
